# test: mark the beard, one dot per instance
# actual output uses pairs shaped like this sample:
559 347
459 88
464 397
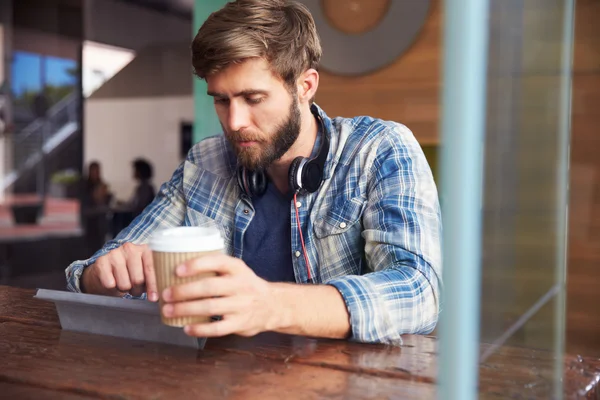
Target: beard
263 154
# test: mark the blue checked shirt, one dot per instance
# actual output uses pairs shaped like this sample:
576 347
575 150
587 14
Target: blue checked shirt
372 230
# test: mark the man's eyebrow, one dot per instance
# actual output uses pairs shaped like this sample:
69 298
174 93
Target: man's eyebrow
248 92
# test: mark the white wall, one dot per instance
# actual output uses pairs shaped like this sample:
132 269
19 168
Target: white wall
119 130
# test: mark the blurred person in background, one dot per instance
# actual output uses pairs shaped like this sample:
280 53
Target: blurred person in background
126 211
144 191
96 198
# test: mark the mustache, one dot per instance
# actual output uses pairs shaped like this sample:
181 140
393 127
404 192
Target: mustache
238 136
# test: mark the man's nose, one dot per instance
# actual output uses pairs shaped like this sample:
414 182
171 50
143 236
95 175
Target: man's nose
239 117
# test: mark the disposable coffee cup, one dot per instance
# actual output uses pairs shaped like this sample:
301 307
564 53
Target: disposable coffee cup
173 247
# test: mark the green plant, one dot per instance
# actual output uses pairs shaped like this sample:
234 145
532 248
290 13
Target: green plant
65 177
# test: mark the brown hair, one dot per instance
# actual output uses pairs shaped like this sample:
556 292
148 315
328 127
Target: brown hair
280 31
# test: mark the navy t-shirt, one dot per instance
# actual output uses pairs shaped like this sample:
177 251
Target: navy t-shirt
267 241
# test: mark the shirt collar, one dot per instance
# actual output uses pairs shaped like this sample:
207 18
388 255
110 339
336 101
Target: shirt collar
325 127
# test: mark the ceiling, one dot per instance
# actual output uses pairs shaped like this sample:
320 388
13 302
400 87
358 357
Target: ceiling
180 8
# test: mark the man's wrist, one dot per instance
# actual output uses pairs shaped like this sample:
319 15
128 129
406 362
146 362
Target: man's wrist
83 285
281 312
310 310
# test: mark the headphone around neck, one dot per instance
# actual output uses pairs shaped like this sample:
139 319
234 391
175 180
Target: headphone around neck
305 174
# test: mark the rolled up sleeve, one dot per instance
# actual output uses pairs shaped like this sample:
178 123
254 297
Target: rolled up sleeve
402 232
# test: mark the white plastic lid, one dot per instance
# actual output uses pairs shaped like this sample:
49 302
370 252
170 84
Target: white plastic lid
184 239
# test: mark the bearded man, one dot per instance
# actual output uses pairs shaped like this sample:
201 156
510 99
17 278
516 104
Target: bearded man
331 225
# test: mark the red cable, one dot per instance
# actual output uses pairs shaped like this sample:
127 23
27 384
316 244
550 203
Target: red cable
302 238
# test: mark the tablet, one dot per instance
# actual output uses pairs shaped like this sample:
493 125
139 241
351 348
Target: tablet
115 316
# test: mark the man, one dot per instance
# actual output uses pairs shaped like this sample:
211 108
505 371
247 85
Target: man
354 222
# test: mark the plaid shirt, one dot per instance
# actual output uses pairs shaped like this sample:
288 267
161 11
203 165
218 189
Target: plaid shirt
372 230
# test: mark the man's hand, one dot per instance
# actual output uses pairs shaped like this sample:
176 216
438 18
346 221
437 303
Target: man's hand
245 301
128 268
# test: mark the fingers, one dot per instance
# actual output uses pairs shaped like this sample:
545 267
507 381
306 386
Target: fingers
205 307
133 264
218 263
102 270
128 268
204 288
149 274
104 273
119 269
212 329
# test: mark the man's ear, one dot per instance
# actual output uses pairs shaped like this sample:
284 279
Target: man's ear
307 84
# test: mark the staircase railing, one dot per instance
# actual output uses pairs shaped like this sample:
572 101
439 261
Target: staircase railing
30 145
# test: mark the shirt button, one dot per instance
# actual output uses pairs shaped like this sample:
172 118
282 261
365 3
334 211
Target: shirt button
297 254
343 225
246 211
298 204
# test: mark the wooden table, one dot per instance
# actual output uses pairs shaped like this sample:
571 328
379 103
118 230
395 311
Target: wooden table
39 360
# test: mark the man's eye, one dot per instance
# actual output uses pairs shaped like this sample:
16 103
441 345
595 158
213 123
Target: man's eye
221 101
256 100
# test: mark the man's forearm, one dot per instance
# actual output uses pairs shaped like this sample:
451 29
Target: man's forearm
310 310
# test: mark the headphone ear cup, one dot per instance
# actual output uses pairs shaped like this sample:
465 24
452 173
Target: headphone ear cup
258 183
312 175
251 183
242 179
293 176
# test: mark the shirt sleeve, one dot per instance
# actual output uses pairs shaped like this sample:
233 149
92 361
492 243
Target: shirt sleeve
402 232
166 210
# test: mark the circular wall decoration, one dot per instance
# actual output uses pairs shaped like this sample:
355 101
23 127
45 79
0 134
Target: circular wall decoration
360 54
